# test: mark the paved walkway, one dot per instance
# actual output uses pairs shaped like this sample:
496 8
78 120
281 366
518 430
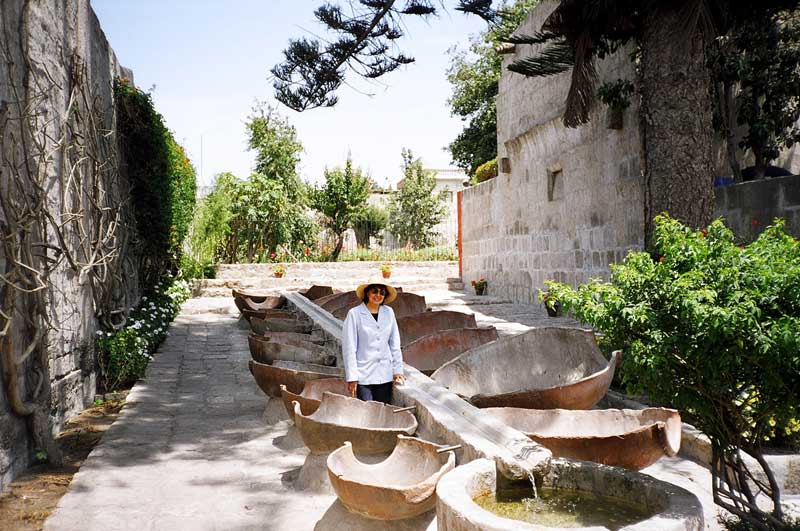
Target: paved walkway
196 447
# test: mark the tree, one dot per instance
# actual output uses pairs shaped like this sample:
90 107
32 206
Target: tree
344 194
712 329
474 76
414 209
369 222
757 64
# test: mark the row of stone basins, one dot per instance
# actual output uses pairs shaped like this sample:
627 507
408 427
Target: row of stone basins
492 433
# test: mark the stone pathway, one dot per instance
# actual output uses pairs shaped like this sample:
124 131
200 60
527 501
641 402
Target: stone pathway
197 447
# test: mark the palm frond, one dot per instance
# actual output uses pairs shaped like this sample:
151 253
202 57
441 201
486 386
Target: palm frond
555 58
583 88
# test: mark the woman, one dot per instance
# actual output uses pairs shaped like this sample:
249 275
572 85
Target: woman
371 344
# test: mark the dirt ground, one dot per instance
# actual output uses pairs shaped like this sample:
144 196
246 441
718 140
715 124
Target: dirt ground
33 495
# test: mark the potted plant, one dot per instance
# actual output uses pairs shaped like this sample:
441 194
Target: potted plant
278 270
551 304
480 286
386 270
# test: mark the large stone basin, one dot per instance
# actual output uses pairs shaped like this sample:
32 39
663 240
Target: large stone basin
271 313
404 304
543 368
432 351
629 438
265 350
284 337
415 326
338 300
672 508
372 427
311 396
289 373
257 299
402 486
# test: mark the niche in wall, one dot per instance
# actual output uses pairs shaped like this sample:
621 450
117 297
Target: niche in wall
555 183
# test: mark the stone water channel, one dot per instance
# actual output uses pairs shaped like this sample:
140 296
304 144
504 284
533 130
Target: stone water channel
197 448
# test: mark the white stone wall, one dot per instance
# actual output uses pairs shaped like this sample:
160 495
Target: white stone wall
514 234
55 37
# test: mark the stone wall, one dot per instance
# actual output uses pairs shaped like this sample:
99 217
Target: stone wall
751 206
56 73
568 201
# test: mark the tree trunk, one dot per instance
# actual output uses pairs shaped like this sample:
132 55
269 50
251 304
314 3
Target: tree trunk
338 247
676 123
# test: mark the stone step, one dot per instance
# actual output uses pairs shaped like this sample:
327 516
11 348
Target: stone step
438 270
225 291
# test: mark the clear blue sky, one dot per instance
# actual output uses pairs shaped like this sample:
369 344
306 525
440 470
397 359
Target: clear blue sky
209 61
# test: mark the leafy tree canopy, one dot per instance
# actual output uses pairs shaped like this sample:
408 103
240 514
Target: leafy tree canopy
474 75
342 196
415 209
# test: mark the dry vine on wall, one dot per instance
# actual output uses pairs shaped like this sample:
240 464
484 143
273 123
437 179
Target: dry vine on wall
65 223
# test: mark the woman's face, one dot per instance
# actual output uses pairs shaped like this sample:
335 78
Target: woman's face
376 294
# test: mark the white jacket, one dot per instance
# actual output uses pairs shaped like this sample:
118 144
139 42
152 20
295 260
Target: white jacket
371 349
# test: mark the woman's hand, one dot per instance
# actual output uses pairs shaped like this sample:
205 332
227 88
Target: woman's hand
351 388
399 379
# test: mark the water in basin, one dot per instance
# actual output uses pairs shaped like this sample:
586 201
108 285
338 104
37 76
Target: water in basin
564 508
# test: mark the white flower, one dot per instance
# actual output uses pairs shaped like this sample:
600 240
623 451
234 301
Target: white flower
99 332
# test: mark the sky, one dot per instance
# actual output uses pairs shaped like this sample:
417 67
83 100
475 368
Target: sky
208 62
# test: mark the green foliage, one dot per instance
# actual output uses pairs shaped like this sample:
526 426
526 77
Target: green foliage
735 524
486 171
414 210
369 222
708 327
616 94
762 56
124 354
162 181
474 75
255 219
428 254
340 199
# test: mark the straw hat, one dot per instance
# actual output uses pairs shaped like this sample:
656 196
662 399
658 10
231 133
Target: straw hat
391 293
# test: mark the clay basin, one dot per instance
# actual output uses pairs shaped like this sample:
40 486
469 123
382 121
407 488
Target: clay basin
311 396
338 300
263 314
404 304
292 374
255 300
543 368
264 350
316 291
629 438
415 326
432 351
401 486
372 427
261 325
282 337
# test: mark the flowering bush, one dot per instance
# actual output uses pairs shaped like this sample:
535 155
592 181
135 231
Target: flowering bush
123 354
480 283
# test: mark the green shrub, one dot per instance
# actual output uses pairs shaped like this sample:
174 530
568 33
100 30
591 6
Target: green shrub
486 171
123 354
708 327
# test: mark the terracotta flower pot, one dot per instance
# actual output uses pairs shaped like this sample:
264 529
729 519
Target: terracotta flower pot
278 275
386 274
480 291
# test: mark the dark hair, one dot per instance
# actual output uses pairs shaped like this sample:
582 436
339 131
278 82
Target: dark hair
365 298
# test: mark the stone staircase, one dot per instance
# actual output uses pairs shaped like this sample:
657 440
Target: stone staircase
412 276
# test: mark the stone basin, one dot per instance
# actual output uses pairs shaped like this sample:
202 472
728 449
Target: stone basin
628 438
265 350
415 326
543 368
404 304
432 351
401 486
261 325
289 373
311 396
317 291
672 508
338 300
372 427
